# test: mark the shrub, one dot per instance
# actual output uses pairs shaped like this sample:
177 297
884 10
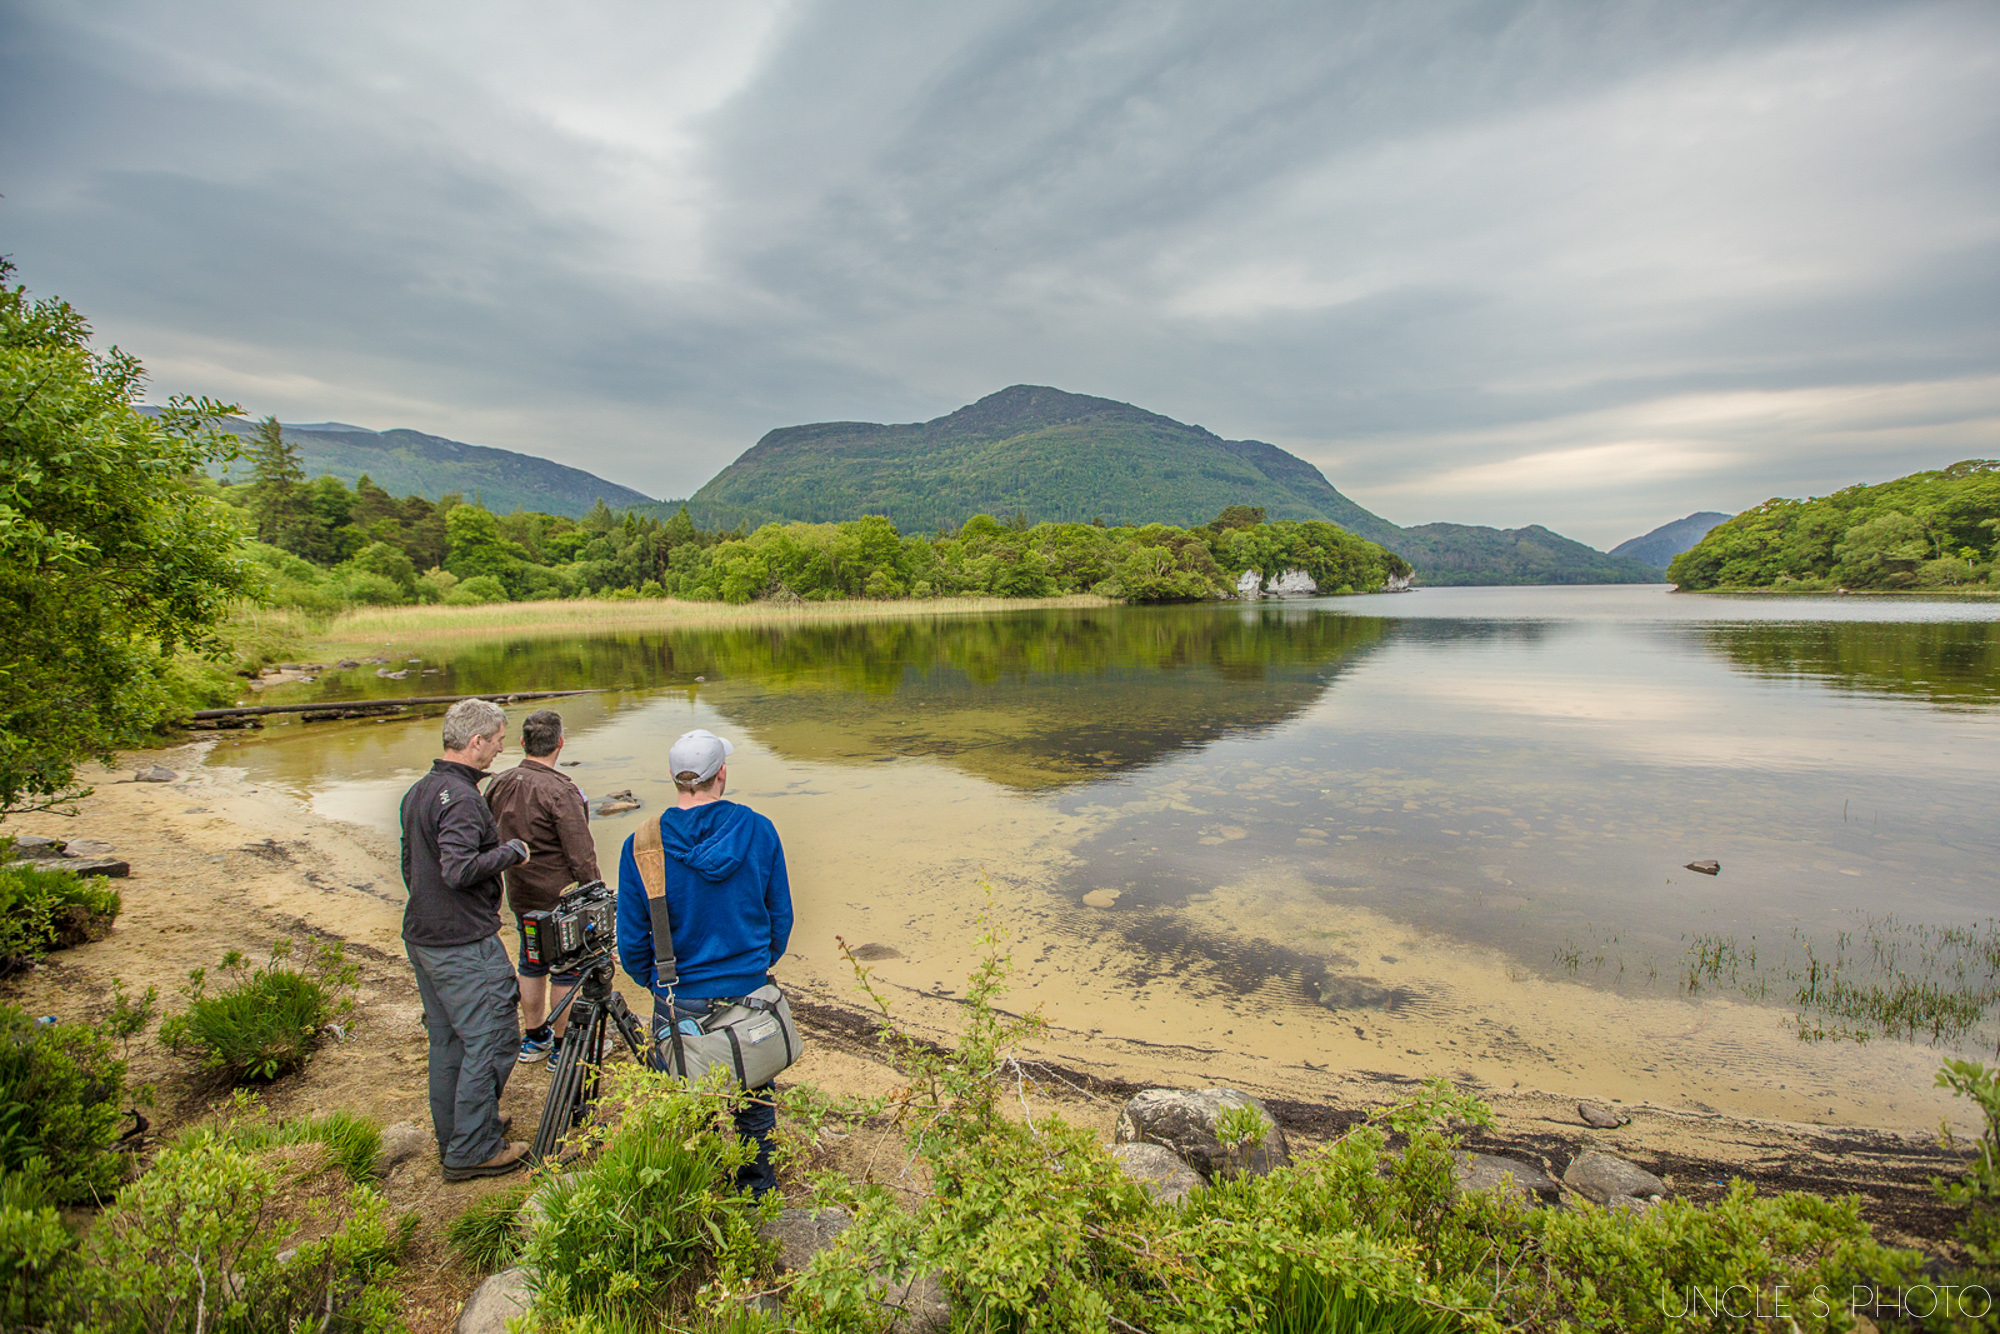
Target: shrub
206 1241
60 1090
480 589
263 1022
43 909
657 1210
35 1251
1979 1191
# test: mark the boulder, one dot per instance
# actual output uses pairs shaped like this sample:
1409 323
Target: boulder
1630 1204
88 847
155 773
503 1297
113 867
1478 1173
1601 1118
1184 1120
348 662
36 848
1165 1177
1600 1177
401 1142
803 1233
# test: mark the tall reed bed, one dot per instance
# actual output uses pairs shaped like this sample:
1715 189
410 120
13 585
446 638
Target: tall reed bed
366 626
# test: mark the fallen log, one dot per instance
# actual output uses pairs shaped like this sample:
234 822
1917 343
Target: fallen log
378 705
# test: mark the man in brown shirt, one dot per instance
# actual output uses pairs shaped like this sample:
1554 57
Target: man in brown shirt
537 803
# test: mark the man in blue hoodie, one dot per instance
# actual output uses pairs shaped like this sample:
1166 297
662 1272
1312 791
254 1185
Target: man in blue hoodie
728 905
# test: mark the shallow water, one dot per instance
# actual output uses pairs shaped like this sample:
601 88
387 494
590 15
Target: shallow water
1424 813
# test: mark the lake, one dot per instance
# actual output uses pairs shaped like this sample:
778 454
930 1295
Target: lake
1435 833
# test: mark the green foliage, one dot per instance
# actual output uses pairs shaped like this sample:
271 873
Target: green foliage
112 558
656 1212
205 1241
265 1021
45 908
60 1095
1457 553
488 1235
1978 1193
36 1251
1927 530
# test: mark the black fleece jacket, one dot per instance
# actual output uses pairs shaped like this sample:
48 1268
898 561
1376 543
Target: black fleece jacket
452 858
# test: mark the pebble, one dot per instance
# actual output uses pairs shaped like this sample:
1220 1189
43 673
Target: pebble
1707 866
156 773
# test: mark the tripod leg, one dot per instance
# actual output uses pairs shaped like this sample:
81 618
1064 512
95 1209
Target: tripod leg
565 1095
629 1028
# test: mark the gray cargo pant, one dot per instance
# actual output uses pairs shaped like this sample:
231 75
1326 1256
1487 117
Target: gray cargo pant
471 1008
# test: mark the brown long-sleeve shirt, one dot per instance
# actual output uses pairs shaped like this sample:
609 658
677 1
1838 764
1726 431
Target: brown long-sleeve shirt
539 805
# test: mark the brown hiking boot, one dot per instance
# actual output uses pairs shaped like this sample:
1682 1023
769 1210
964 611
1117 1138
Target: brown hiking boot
511 1158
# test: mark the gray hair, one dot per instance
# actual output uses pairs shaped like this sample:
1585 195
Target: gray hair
471 718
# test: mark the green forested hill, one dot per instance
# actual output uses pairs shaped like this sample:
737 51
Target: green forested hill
1457 553
411 463
1928 530
1052 455
1057 456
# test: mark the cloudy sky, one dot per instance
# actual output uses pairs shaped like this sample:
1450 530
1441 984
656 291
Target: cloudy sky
1593 265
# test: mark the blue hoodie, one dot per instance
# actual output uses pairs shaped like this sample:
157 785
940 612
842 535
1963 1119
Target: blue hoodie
727 896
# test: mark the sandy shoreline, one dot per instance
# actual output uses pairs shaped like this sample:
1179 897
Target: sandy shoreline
220 861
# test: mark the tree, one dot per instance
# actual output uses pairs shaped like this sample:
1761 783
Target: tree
112 559
279 477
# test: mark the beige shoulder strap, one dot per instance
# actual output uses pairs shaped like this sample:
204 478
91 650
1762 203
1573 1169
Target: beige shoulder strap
651 857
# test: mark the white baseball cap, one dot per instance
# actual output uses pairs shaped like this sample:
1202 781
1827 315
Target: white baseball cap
698 753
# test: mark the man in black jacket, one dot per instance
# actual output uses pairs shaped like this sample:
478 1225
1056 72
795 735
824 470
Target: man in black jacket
452 860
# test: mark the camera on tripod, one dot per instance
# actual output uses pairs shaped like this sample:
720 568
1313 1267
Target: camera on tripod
581 927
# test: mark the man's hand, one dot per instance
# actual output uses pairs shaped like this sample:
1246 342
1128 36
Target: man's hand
521 848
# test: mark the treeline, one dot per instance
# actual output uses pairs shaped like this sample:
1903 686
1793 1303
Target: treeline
1928 530
325 547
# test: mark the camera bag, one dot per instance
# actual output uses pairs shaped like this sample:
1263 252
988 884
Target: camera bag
753 1036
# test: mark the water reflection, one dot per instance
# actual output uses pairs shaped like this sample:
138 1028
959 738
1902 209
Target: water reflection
1951 663
1034 701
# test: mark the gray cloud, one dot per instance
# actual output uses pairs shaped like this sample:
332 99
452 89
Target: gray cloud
1589 265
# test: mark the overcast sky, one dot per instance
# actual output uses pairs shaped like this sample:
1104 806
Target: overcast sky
1590 265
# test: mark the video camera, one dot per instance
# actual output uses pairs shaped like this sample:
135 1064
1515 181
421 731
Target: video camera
583 926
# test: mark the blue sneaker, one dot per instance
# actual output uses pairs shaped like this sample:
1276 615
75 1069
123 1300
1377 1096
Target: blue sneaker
533 1049
555 1052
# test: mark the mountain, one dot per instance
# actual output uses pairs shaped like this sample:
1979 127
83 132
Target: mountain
1669 540
1457 553
1059 456
411 463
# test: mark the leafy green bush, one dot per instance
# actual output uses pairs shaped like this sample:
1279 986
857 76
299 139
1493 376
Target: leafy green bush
35 1249
262 1022
657 1210
1979 1191
206 1241
43 909
60 1090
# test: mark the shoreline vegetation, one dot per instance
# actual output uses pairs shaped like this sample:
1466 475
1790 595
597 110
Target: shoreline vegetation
1936 531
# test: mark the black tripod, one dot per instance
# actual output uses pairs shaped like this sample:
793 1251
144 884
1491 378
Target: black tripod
574 1084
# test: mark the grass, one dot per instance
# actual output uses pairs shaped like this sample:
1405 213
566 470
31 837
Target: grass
352 1142
262 1022
369 626
487 1236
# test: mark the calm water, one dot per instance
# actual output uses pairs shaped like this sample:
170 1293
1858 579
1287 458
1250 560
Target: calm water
1521 770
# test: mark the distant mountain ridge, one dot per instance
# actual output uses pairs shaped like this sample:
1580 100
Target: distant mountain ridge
1669 540
404 462
1058 456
